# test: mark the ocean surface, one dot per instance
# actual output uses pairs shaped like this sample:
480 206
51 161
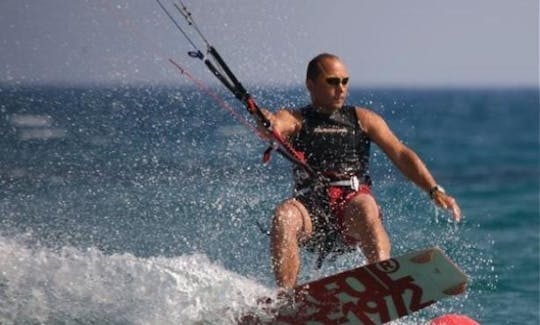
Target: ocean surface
140 205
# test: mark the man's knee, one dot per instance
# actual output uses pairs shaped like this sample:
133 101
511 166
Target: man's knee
290 216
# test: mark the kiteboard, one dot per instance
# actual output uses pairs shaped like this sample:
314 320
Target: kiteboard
373 294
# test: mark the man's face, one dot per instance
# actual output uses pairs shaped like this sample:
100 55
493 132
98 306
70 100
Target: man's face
329 90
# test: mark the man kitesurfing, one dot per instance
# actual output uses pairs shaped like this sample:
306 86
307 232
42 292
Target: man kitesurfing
335 141
332 209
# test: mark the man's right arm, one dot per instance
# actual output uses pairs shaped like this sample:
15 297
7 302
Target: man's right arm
284 122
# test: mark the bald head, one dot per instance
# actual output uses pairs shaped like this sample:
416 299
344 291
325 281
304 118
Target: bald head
315 68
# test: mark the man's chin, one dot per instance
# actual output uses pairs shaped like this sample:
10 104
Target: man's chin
337 105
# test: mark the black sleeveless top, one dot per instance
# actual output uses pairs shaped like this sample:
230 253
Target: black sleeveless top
332 143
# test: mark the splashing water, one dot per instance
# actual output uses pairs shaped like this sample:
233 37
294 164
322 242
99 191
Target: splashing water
38 285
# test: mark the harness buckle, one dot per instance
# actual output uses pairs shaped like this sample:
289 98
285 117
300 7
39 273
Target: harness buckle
353 183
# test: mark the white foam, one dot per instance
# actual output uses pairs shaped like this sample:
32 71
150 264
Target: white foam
36 126
40 285
42 133
31 120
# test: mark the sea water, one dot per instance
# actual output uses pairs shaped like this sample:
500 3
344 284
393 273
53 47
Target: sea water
142 205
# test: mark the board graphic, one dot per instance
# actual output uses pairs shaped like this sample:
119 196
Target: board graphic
372 294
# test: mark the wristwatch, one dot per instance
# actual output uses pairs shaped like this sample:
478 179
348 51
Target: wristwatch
435 189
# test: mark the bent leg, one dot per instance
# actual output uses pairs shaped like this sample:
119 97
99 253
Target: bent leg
291 225
362 222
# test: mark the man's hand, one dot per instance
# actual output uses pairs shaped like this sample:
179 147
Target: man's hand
263 132
447 202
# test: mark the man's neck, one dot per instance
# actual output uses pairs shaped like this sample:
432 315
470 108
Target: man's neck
324 110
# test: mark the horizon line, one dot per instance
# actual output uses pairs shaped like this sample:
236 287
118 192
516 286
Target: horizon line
152 84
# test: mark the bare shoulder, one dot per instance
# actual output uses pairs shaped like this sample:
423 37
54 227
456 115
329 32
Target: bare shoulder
289 115
377 129
287 112
368 119
288 121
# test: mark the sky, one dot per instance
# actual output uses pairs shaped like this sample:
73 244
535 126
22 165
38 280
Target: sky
413 43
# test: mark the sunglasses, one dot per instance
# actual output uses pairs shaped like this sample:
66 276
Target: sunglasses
335 81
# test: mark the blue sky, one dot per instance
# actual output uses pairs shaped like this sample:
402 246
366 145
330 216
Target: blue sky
415 43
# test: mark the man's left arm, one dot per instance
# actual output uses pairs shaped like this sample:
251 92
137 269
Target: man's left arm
407 161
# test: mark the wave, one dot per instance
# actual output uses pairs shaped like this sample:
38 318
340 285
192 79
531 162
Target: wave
40 285
68 285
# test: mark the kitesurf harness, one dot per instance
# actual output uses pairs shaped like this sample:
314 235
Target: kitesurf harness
333 145
336 146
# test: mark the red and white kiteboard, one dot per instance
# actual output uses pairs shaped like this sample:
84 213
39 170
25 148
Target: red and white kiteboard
373 294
